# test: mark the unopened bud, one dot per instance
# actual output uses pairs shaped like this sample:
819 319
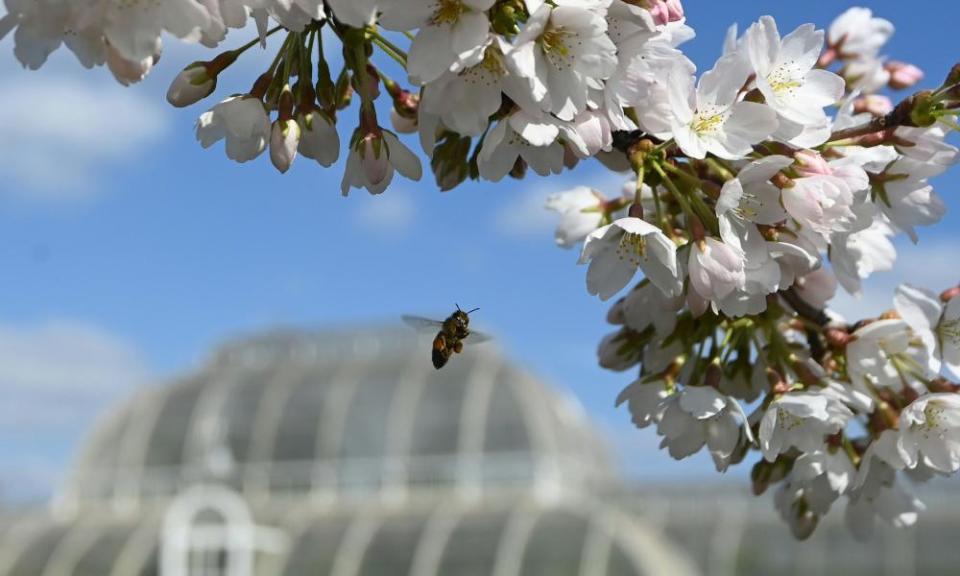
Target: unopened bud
837 338
666 11
284 141
903 75
874 104
401 123
950 293
811 164
191 85
782 181
343 90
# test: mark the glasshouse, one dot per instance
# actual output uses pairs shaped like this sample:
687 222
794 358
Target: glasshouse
341 453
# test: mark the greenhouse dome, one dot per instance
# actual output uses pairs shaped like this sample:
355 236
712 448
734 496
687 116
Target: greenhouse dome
341 453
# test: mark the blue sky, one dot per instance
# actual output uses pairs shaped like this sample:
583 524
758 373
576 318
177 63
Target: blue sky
128 252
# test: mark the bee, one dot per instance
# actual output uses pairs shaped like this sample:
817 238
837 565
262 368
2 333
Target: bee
452 332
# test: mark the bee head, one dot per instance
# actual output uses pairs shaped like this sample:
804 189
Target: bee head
463 318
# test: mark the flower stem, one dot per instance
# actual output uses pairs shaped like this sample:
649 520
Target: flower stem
679 196
255 41
389 47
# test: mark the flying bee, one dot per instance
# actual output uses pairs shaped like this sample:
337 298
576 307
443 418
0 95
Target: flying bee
452 332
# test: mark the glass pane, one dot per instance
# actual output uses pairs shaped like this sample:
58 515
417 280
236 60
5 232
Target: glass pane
391 551
101 556
472 548
436 429
168 438
555 545
508 455
295 446
619 563
316 550
363 443
240 408
35 554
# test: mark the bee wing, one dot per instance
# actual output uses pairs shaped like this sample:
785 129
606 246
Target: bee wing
421 324
477 337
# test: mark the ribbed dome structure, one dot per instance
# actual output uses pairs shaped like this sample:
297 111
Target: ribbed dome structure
342 454
337 414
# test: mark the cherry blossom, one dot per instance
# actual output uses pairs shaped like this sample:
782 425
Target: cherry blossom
615 251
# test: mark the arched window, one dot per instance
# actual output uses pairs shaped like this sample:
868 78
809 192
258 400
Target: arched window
208 531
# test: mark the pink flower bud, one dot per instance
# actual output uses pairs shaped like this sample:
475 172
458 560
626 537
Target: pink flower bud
874 104
903 75
374 158
666 11
811 163
402 124
284 140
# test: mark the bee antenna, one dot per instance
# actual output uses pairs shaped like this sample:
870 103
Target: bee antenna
458 306
472 311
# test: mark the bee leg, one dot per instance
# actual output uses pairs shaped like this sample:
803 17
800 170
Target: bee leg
458 347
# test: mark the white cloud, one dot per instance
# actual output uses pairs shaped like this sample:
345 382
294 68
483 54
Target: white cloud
392 213
58 133
56 380
57 374
929 264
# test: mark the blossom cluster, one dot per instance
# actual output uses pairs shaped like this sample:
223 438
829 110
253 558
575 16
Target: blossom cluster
755 190
758 190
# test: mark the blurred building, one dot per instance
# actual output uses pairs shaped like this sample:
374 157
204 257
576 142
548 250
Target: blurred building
345 454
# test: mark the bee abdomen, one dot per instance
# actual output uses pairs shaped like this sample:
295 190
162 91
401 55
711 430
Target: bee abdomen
441 353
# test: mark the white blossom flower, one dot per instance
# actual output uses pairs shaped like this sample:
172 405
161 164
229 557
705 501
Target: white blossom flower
709 119
134 27
698 416
357 13
128 72
906 198
240 120
715 269
319 139
449 32
825 202
467 97
857 33
644 400
795 511
42 26
786 73
927 145
802 420
373 160
937 324
877 494
581 212
856 256
640 81
521 136
930 432
647 306
823 476
873 351
563 51
618 249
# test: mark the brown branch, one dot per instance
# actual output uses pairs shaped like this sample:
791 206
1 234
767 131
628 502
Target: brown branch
899 116
813 314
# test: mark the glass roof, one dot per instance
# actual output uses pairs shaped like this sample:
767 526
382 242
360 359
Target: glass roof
340 412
